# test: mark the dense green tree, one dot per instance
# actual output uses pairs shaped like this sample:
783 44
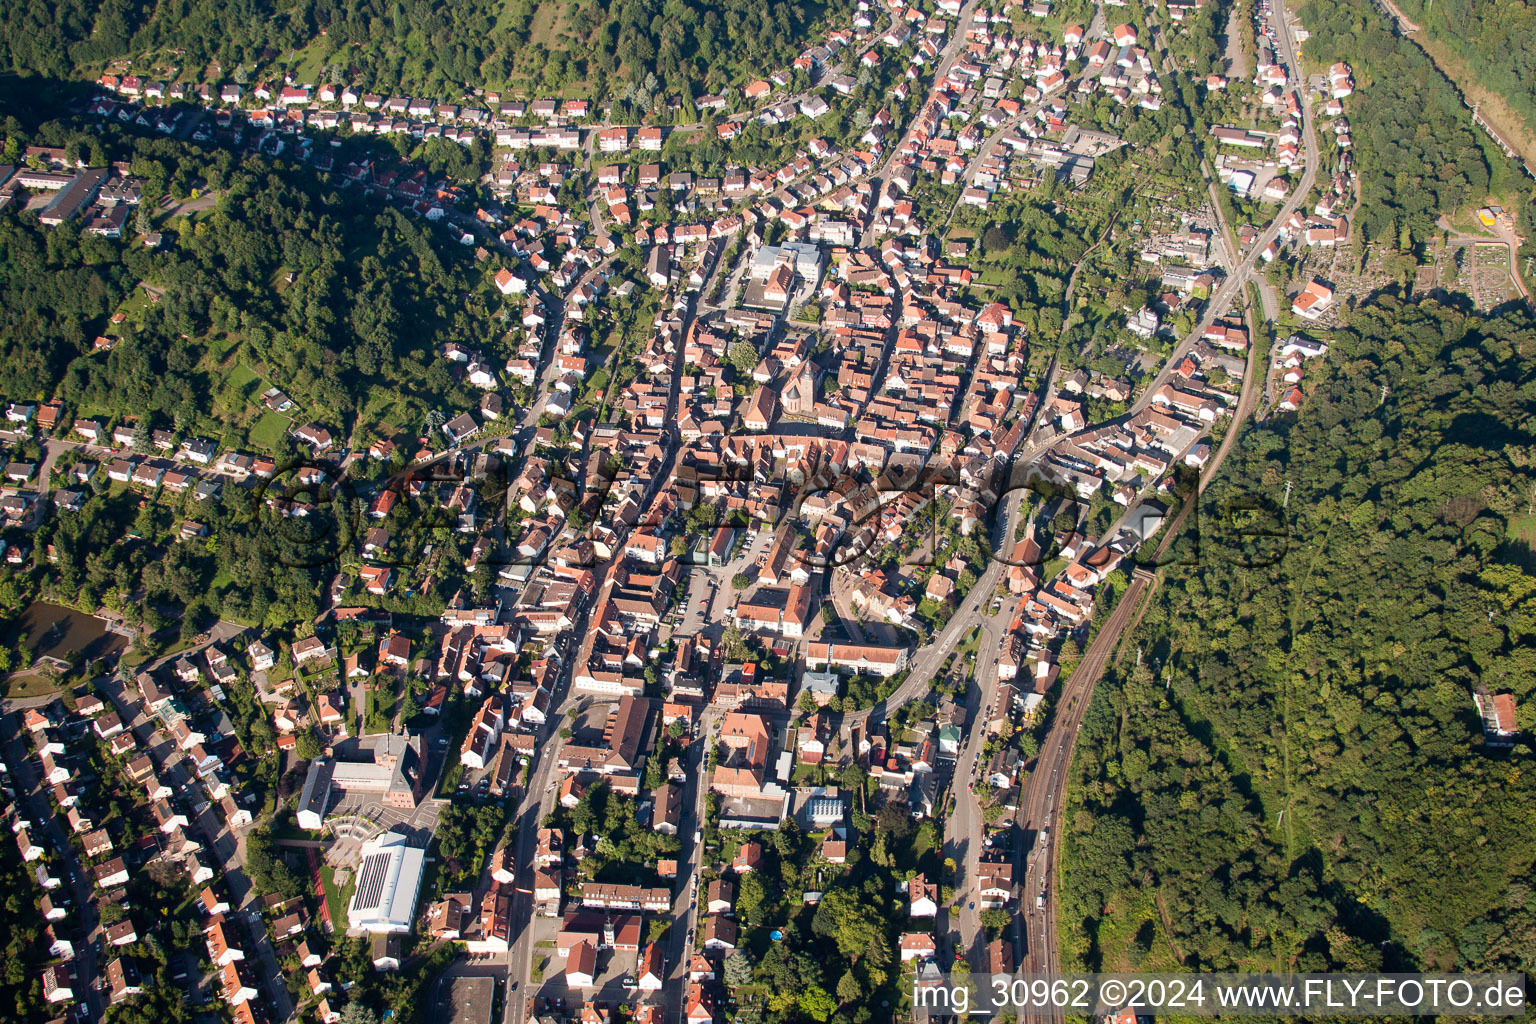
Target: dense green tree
635 51
266 868
750 894
856 923
738 969
817 1003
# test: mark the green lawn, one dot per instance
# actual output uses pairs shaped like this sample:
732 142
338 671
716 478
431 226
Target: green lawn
309 62
134 303
32 685
216 350
241 378
381 706
235 395
237 390
337 897
544 29
269 430
384 408
971 642
1522 528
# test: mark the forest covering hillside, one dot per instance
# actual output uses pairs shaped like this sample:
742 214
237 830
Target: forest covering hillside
1419 153
1495 38
366 296
1294 775
642 50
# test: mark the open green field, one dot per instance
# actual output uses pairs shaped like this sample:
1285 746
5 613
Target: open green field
308 63
546 27
337 896
30 684
551 29
383 411
217 350
1523 530
269 430
241 386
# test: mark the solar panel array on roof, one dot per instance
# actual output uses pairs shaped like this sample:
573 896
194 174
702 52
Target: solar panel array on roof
388 881
370 883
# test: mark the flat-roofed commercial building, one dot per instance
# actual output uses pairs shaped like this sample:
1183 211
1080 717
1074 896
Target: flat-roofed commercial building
469 1001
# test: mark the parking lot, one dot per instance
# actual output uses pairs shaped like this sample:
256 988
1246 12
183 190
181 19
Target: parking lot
613 984
710 593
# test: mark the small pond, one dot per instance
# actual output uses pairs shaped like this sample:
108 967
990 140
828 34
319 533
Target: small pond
54 631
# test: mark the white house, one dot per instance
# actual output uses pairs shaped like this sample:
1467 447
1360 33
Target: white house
922 898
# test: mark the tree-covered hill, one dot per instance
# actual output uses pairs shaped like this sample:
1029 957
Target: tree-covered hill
1494 38
1418 153
646 49
343 300
1294 775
